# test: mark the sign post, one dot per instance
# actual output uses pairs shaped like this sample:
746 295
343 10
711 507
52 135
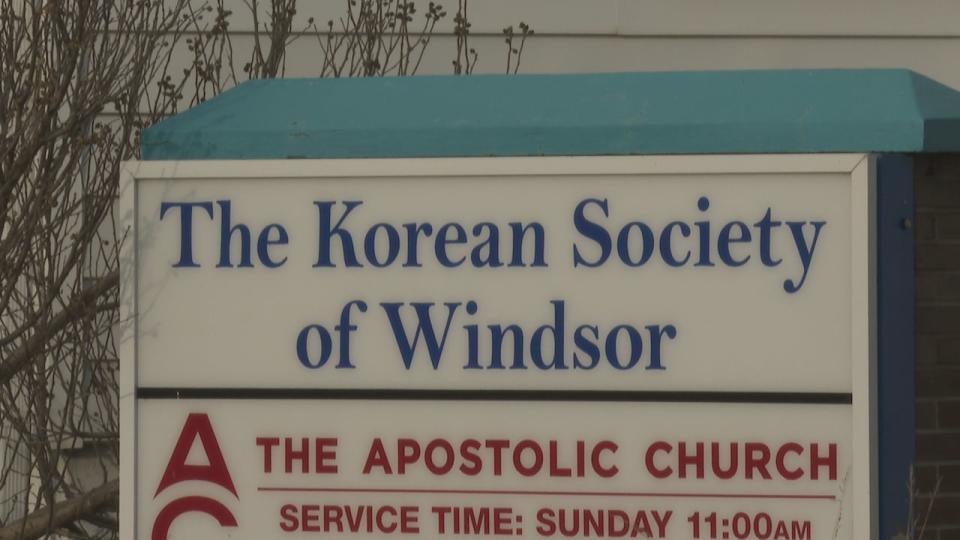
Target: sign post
530 347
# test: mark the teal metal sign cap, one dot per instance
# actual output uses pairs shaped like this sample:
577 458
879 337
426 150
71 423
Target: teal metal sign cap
718 112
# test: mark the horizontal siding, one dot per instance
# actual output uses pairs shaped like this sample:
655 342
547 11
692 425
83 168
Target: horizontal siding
784 18
928 18
660 35
936 57
593 17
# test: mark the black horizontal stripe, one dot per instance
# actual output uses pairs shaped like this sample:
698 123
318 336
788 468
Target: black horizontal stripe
664 396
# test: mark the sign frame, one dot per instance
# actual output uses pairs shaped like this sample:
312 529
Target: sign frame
860 168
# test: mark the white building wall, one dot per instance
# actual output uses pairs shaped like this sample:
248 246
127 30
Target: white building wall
644 35
591 36
15 485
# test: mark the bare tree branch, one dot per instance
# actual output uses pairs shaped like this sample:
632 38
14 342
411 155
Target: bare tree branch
41 522
81 306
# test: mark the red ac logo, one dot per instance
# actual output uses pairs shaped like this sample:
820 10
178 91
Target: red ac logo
216 472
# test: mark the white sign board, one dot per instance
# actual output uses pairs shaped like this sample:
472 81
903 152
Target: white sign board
610 347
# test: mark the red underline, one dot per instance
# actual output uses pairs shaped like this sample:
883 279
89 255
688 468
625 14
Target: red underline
672 494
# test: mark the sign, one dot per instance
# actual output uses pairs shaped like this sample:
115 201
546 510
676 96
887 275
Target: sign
610 347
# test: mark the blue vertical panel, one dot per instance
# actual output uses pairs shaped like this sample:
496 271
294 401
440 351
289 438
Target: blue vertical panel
895 339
